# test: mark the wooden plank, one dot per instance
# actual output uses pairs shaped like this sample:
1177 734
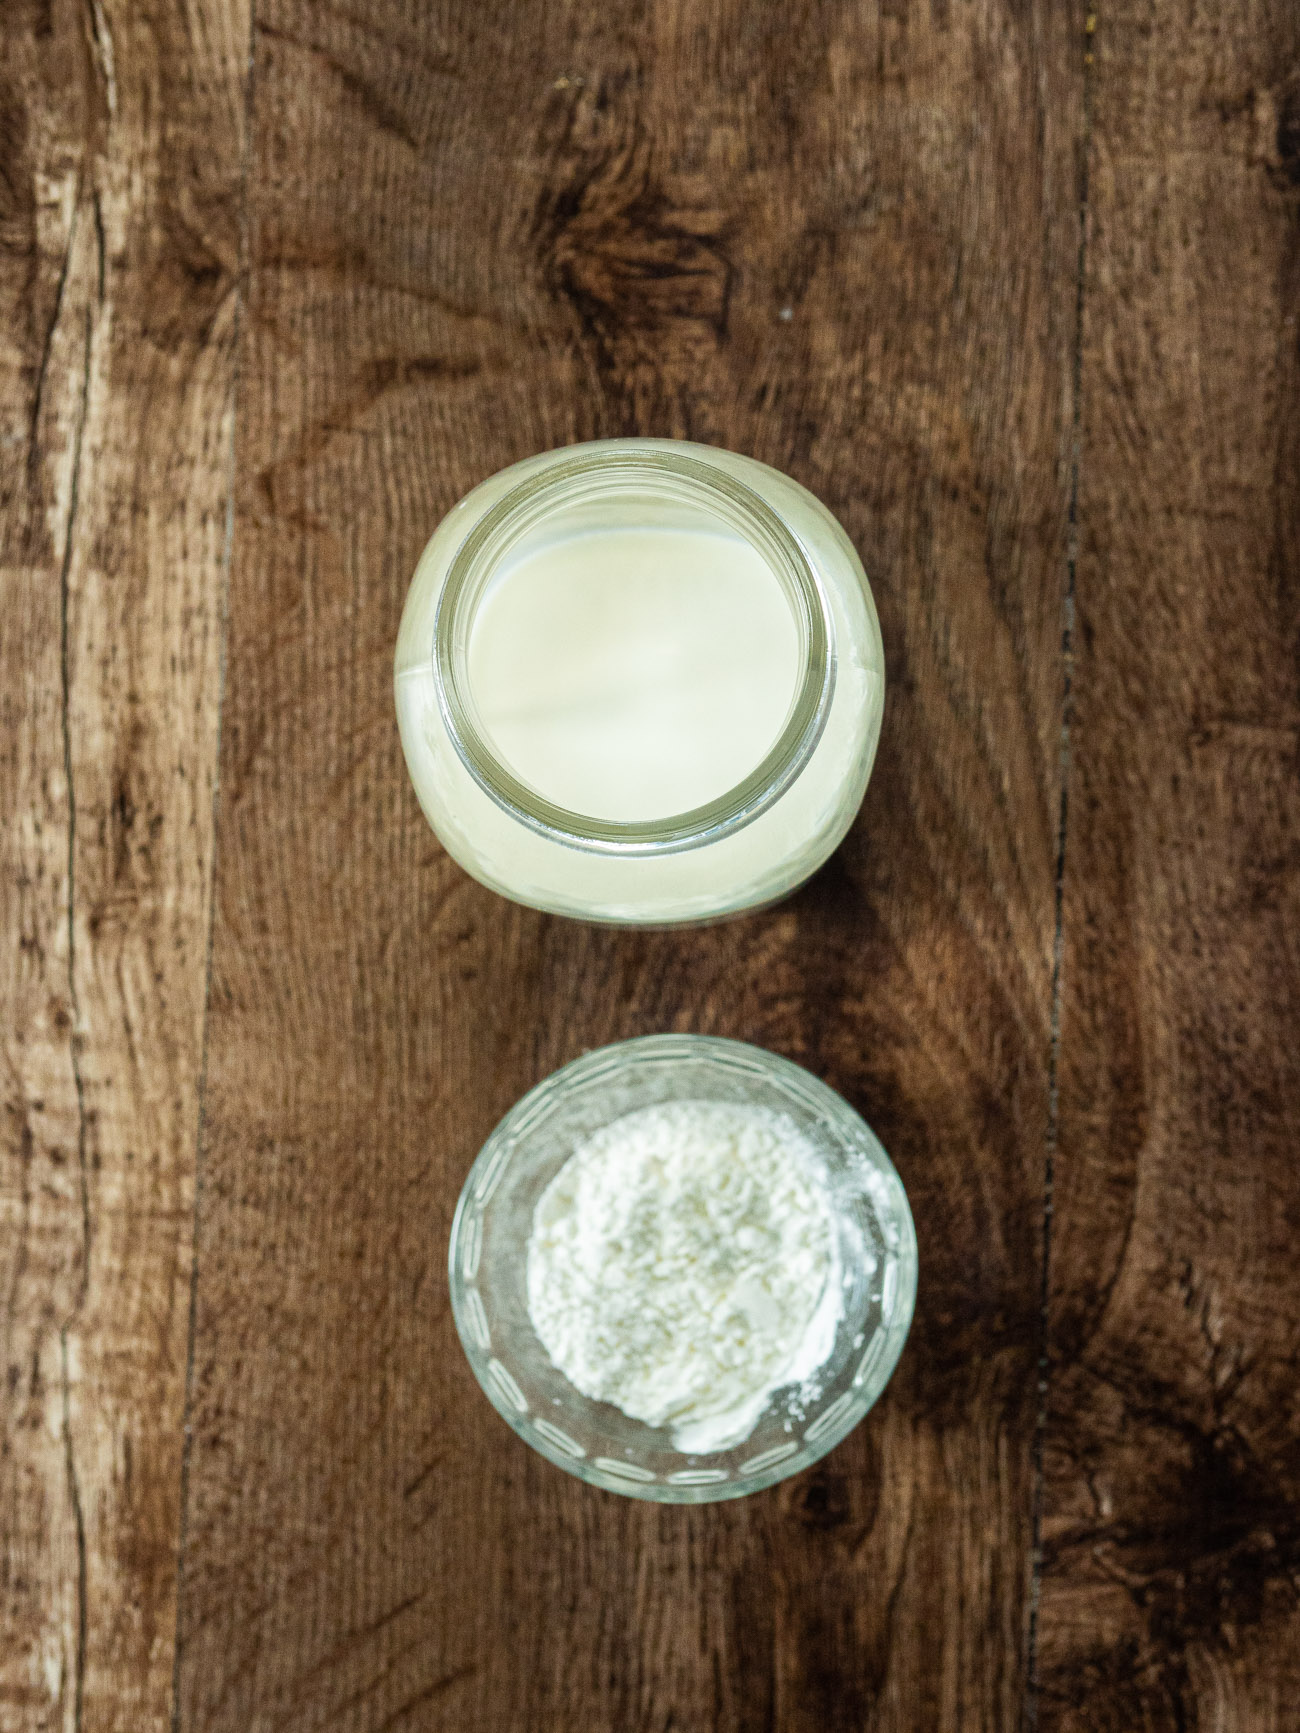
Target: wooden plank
842 238
122 126
1172 1544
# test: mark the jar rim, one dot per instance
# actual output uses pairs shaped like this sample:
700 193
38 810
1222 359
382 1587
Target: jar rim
592 473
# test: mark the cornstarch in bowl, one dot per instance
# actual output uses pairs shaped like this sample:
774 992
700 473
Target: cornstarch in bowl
682 1268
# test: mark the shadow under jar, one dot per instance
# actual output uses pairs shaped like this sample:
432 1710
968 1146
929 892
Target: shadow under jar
640 681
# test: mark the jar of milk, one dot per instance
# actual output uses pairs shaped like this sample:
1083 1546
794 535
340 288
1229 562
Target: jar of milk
640 681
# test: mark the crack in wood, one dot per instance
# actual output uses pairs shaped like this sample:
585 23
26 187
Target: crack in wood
101 46
74 1038
43 367
78 1516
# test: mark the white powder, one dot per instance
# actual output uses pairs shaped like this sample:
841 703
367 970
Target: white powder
683 1265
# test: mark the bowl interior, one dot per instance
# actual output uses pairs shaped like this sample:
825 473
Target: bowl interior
494 1220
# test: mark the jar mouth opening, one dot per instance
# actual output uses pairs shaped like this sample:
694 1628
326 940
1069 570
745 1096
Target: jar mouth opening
587 479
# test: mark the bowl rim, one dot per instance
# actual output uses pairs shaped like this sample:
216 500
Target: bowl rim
485 1174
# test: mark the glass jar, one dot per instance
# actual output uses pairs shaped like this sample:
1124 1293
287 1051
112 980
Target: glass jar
744 847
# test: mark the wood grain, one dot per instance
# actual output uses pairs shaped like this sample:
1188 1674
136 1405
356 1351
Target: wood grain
842 238
1171 1586
120 127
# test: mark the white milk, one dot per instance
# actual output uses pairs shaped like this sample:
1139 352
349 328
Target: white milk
634 674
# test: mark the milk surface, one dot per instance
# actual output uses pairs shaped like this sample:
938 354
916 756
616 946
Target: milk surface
634 674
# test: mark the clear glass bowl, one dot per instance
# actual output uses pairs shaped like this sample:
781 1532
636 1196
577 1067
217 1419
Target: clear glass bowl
488 1257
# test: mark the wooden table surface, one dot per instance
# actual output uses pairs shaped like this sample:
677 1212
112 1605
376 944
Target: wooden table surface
1014 288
